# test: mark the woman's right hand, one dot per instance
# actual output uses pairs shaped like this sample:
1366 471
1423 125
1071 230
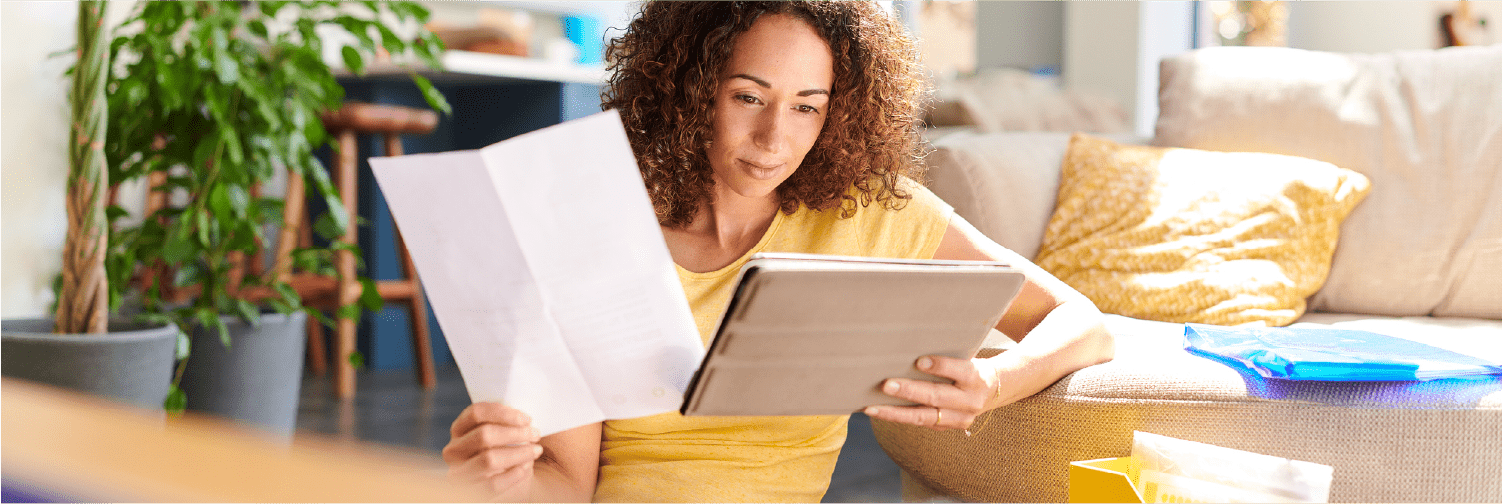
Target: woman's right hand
495 446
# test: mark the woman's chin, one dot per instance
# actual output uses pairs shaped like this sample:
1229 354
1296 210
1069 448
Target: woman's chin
754 189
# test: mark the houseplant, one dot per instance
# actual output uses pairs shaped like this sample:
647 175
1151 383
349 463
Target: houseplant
209 100
80 348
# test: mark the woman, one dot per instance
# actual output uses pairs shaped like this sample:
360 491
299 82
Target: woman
788 127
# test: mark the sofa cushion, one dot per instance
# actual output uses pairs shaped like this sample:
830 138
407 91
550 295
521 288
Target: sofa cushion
1182 235
1424 126
1431 441
1002 183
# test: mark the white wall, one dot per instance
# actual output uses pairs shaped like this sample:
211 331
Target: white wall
1100 50
1113 49
1363 26
1019 34
1167 29
33 150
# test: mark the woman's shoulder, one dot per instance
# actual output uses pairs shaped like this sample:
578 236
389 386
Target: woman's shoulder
899 227
906 193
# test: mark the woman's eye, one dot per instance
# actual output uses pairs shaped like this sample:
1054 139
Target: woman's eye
808 109
748 99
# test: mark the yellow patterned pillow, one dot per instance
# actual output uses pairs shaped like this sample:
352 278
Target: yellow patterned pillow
1184 235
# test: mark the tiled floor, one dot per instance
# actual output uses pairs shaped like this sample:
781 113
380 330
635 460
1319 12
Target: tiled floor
389 408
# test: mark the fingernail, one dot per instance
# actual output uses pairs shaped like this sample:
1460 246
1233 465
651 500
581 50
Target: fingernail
536 450
925 363
871 410
890 387
535 434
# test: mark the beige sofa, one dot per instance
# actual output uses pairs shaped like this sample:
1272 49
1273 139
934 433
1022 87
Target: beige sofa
1421 257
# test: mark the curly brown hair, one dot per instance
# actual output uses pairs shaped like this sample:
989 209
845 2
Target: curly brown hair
666 69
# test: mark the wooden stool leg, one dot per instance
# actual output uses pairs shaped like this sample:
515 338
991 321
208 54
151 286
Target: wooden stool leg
422 347
349 285
318 358
417 305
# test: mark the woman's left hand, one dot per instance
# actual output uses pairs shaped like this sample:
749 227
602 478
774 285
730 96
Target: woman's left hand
942 406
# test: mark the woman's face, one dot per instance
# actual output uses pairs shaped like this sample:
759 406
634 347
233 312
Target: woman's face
770 105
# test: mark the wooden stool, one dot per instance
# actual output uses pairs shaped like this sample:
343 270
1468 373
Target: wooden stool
323 291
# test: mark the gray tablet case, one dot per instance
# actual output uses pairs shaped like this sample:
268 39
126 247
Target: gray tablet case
816 335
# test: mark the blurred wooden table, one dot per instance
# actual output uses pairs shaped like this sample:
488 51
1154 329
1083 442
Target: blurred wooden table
63 445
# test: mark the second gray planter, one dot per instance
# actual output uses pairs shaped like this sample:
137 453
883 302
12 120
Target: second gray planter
257 379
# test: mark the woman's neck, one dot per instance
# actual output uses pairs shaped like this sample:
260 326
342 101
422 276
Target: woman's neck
733 219
723 230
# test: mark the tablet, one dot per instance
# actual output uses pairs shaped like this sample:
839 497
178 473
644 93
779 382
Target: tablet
816 335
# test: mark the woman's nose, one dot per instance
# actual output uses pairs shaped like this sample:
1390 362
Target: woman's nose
771 130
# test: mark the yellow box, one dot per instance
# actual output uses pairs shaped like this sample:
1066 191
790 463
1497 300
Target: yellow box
1104 480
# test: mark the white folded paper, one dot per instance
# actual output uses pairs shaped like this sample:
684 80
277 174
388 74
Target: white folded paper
1176 470
545 266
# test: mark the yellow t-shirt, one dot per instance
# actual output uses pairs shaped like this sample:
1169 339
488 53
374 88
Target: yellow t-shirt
672 458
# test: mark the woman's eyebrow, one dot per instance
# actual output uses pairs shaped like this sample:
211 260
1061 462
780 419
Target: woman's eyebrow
768 85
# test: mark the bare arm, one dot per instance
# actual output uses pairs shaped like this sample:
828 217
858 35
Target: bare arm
497 447
1058 331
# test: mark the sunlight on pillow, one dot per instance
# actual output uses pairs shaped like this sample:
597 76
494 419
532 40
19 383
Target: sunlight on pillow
1182 235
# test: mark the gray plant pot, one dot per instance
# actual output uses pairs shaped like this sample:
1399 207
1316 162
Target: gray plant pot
257 379
132 363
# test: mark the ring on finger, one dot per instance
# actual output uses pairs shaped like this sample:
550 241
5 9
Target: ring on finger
938 416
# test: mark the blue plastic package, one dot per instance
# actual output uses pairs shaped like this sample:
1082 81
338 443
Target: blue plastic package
1329 354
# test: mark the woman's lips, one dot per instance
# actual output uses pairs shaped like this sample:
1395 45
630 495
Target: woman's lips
760 170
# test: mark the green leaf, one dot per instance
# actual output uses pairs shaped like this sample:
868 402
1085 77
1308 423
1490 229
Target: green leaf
428 49
226 68
232 141
258 28
370 297
187 274
357 360
214 97
167 78
270 8
176 401
133 91
217 36
239 200
219 201
223 331
208 318
244 236
177 248
289 295
114 212
202 153
414 9
353 60
334 223
320 317
157 319
184 345
202 219
349 311
359 28
435 99
248 312
281 307
390 40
